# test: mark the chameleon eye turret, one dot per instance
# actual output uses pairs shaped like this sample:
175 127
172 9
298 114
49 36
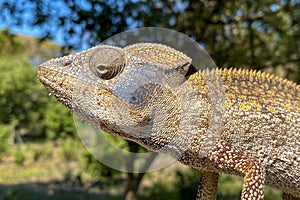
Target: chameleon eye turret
167 59
107 68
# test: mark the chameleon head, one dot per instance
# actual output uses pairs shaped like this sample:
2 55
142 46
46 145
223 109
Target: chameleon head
134 92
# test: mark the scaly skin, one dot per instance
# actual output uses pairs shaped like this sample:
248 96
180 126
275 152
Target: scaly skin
233 121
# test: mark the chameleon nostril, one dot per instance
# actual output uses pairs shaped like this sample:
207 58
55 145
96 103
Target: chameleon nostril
66 63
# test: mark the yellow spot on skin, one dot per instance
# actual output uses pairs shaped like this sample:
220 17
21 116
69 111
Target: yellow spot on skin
271 109
228 103
245 107
287 106
231 96
264 100
244 97
256 105
236 89
274 101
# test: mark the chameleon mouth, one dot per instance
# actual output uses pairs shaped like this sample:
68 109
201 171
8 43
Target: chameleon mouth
59 85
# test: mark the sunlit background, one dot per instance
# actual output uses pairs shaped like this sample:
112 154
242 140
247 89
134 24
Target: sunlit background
40 151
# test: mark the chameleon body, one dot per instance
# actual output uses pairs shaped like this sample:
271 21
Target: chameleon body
145 93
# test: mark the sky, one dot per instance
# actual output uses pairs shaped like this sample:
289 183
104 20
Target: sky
26 28
55 6
60 8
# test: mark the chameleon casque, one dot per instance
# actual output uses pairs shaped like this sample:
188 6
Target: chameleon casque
146 93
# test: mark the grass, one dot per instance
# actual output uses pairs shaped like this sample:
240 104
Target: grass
48 170
29 162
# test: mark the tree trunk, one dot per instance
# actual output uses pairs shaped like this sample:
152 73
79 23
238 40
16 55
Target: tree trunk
131 187
134 179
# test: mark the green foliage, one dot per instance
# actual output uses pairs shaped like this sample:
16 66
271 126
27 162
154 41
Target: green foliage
183 186
19 157
187 182
98 170
10 43
5 131
69 149
43 152
58 120
162 190
272 194
24 102
125 144
117 141
17 91
230 187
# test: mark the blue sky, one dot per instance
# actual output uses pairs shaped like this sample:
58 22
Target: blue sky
35 31
55 6
58 7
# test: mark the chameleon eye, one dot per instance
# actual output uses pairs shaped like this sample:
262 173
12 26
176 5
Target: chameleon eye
107 62
101 70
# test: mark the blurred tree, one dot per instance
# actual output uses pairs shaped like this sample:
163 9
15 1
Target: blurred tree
58 121
10 44
246 33
235 33
23 100
20 102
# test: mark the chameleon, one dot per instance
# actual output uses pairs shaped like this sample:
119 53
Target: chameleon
235 121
